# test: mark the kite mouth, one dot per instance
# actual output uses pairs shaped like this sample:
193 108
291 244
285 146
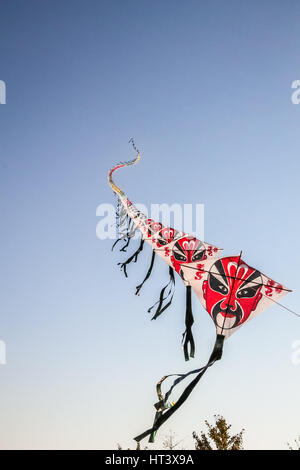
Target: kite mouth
226 319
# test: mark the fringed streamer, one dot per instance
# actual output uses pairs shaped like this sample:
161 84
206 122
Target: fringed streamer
138 288
121 217
165 410
160 308
125 238
133 258
121 213
117 241
129 233
187 337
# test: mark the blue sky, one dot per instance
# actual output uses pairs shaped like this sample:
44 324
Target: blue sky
205 89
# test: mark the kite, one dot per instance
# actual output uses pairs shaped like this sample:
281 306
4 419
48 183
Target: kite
231 291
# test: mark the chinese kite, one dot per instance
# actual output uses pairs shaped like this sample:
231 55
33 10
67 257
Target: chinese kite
231 291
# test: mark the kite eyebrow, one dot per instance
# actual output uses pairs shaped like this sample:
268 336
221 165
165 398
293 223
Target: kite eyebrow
221 272
251 278
215 277
179 248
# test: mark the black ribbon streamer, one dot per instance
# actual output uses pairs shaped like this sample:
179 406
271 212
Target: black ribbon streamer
188 338
129 234
160 308
138 288
164 412
131 258
123 237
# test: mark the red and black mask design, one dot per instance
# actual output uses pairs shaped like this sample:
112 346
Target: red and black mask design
153 227
166 236
187 250
232 292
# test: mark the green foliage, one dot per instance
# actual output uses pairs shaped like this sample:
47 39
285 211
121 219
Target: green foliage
297 444
218 437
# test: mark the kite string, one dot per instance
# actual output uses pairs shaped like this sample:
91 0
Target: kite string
283 306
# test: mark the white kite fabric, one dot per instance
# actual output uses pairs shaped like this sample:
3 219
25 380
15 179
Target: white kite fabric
231 291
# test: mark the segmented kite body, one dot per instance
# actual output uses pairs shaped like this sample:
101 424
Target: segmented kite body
230 290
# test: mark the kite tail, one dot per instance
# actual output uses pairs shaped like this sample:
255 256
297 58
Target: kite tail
187 337
138 288
166 409
125 227
131 258
122 213
161 305
114 187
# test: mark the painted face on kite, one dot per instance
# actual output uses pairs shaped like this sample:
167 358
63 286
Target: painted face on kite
232 292
166 236
187 250
153 227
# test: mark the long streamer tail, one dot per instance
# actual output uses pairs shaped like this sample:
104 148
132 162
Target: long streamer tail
164 410
114 187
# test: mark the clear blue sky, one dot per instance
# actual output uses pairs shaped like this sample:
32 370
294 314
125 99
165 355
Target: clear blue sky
205 89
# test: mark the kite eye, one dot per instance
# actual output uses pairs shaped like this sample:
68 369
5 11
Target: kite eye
247 293
179 257
217 286
198 255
